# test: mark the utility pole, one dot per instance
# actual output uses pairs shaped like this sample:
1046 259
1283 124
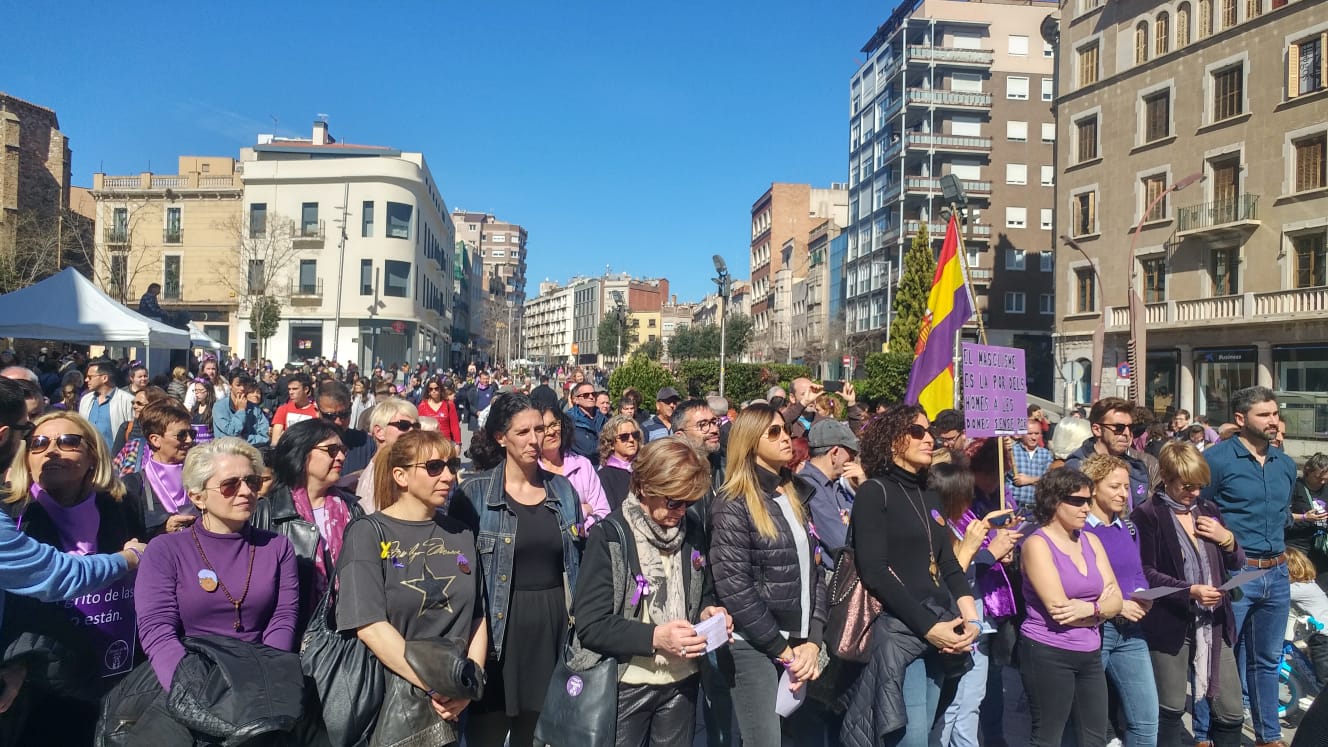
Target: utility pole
341 269
722 282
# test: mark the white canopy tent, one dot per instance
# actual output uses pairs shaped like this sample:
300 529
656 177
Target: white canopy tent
69 308
202 339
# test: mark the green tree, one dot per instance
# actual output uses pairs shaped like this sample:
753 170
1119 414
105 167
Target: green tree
887 376
647 376
651 349
264 314
610 329
738 336
910 303
682 346
701 341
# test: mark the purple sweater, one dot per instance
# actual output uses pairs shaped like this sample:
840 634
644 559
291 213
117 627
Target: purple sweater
171 604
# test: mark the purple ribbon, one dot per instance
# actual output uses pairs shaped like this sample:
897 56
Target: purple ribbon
642 588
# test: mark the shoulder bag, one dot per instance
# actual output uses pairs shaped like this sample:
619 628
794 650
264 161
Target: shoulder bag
853 609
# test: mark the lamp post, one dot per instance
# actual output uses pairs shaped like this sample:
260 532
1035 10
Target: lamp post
1138 325
1100 331
620 315
722 282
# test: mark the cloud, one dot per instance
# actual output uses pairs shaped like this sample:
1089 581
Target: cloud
231 125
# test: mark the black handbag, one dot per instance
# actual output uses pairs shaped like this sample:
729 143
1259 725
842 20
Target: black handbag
344 676
581 707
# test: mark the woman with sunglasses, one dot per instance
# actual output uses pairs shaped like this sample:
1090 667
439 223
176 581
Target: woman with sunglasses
305 505
1183 543
210 376
556 456
653 639
69 396
905 559
64 493
529 534
767 576
389 420
427 588
157 485
439 402
130 446
619 443
1069 590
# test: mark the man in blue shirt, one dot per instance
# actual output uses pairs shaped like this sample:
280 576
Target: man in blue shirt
105 406
1252 482
1030 463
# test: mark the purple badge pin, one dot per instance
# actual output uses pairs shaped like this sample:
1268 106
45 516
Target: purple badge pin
575 685
698 560
936 516
463 563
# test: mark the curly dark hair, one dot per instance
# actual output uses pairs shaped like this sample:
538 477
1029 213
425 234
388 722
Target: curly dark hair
568 428
883 435
485 450
1054 485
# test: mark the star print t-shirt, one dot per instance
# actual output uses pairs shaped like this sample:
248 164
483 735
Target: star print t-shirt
425 582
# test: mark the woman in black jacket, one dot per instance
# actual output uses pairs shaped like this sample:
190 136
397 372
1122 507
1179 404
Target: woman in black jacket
156 486
619 442
651 635
766 575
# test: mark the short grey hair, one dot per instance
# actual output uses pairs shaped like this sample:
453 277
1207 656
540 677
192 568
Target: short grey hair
201 463
391 410
1069 435
1250 396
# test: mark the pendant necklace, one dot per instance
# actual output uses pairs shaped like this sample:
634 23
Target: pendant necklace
210 580
932 568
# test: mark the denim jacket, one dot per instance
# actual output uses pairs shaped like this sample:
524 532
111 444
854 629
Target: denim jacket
480 504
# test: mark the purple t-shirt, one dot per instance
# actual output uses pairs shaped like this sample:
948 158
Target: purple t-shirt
1122 549
1038 624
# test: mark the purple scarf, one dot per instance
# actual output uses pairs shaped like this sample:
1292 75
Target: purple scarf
616 461
77 524
167 481
997 596
338 516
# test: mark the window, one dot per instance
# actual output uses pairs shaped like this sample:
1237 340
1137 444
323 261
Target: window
966 82
966 125
1016 173
1016 87
1305 66
173 234
367 219
1046 261
1018 45
1044 219
1228 13
1224 271
1016 217
1088 65
1157 115
966 169
1048 176
398 220
257 220
1162 34
1048 132
1086 130
1084 217
1017 131
366 277
1014 302
170 277
1228 92
1310 162
1141 43
1046 303
309 219
1205 18
1253 8
1310 256
1155 280
257 279
1014 258
966 40
119 275
308 277
398 278
1182 25
1085 301
1048 89
1155 185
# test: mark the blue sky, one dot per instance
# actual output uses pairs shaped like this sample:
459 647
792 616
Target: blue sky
625 134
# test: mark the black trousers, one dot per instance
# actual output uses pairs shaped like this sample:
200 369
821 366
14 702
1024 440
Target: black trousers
657 715
1062 684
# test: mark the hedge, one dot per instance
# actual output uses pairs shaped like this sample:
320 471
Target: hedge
742 381
647 376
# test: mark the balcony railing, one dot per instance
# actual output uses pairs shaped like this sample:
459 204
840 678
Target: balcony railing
309 232
1295 303
306 289
937 230
947 142
147 182
172 236
1242 209
980 274
948 54
116 235
933 184
937 97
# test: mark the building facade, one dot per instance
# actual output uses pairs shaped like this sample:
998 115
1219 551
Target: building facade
1231 269
548 330
502 248
963 89
34 193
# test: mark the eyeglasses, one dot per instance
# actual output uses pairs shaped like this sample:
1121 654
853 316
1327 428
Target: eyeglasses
432 388
918 432
553 427
705 425
184 435
405 425
1117 428
1078 501
435 467
231 485
946 440
633 436
63 442
773 431
333 450
335 415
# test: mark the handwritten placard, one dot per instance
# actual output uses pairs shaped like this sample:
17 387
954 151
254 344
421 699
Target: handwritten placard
995 391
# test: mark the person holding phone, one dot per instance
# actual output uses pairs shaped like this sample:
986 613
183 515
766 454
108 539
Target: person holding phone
1309 512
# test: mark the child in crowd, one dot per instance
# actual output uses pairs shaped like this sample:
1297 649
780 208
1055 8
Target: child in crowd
1308 598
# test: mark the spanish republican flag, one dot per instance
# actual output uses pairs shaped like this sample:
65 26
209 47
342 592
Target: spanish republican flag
931 380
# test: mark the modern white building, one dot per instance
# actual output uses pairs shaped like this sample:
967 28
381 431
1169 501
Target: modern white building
548 324
356 243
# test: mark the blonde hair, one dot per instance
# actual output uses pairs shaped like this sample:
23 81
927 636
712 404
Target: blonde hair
609 433
412 448
670 468
104 479
741 483
200 464
1098 466
1299 566
391 410
1179 460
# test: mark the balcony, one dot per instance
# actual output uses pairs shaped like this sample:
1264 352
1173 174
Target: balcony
306 290
932 185
149 182
116 235
933 141
308 234
172 236
1222 216
980 275
1273 306
955 99
937 230
948 55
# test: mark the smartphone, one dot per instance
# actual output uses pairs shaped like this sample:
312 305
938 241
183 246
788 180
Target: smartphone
1000 521
834 386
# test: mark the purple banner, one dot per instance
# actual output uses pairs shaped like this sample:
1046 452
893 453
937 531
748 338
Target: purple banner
108 617
995 391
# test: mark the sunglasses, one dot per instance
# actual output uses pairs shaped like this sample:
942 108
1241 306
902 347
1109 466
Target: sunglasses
1078 501
184 435
918 432
584 395
1117 428
673 505
435 467
63 442
773 431
231 485
633 436
333 450
405 425
335 415
432 388
1191 487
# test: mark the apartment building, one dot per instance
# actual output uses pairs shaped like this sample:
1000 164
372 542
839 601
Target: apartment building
1231 269
175 230
782 218
502 248
817 334
548 325
358 245
468 301
962 88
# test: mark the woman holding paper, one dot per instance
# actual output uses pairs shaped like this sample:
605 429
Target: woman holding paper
1184 545
651 633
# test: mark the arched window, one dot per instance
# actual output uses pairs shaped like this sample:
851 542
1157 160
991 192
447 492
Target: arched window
1205 18
1141 43
1182 25
1228 14
1162 34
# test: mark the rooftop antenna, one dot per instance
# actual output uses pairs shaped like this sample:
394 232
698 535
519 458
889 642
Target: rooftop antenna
273 117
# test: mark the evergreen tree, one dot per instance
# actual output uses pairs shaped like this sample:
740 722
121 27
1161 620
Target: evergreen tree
910 303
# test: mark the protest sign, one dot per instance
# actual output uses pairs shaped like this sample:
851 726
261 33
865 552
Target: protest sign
995 391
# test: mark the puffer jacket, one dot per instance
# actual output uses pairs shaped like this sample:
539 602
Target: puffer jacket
757 579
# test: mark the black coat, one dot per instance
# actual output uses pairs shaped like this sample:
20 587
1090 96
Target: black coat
139 493
617 484
757 579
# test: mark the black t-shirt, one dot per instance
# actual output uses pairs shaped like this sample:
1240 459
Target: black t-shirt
428 586
537 559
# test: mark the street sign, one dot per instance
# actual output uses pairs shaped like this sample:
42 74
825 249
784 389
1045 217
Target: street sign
848 360
575 349
399 327
1123 370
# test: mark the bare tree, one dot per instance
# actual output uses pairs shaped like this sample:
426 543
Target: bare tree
38 247
129 251
259 272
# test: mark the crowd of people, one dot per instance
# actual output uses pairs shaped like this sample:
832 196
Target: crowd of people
212 556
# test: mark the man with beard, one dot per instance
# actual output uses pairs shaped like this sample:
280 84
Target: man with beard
694 421
1252 482
1110 420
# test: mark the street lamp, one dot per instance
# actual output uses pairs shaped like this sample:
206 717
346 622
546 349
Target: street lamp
619 313
1100 331
722 282
1138 327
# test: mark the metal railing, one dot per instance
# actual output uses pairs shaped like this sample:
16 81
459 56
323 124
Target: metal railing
933 184
306 290
932 97
309 231
950 54
172 236
1243 207
933 140
116 235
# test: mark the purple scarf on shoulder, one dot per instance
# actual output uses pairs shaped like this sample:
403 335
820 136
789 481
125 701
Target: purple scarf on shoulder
997 596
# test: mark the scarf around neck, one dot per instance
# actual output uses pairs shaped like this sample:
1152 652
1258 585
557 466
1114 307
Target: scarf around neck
338 516
1198 570
616 461
657 552
167 481
77 525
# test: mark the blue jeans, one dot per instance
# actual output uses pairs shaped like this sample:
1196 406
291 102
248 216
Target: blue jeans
1261 619
922 698
959 727
1128 666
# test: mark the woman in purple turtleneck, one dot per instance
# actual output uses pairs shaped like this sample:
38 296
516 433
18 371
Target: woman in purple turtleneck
156 485
220 576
